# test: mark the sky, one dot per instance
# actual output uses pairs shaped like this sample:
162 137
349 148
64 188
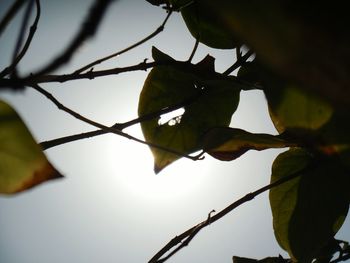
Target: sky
111 207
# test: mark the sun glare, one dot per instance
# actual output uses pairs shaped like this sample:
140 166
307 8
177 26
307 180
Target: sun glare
136 176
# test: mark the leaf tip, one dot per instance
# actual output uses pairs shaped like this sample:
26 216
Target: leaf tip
46 173
160 56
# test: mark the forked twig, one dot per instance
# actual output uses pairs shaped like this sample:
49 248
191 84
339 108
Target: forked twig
87 30
106 128
188 235
18 56
120 126
153 34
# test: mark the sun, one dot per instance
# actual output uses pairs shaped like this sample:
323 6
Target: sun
135 175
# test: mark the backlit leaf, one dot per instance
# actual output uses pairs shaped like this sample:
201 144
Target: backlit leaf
22 162
227 144
210 102
308 210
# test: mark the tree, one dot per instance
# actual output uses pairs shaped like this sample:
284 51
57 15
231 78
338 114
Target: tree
305 86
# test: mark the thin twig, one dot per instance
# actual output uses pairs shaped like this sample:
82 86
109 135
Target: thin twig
11 12
120 126
239 62
22 30
24 50
193 50
103 127
87 30
31 80
188 235
156 32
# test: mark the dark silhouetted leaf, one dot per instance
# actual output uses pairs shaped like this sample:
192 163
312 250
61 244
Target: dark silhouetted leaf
22 162
301 41
227 144
308 210
209 101
209 29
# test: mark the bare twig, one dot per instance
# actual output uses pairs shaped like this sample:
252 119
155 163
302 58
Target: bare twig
31 80
120 126
11 12
183 239
24 50
240 60
106 128
156 32
87 30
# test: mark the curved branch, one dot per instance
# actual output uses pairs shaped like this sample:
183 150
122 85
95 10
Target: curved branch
24 50
87 30
11 12
156 32
183 239
193 50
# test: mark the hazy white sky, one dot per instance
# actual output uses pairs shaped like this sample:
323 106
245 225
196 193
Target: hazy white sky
111 207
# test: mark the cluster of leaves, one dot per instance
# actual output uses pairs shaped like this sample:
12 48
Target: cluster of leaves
309 209
309 111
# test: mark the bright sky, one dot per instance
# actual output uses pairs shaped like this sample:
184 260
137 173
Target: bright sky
111 207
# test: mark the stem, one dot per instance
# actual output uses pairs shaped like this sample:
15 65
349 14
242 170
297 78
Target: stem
24 50
193 50
87 30
106 128
239 62
184 239
11 12
120 126
156 32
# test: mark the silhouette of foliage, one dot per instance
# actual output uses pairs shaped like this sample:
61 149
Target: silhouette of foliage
301 56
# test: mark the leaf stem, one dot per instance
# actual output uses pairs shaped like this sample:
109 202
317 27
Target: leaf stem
193 50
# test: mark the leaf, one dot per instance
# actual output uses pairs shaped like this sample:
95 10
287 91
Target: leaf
209 29
296 40
308 210
22 162
291 107
207 101
227 144
159 56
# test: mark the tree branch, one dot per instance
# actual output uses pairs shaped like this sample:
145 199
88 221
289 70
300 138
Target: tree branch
156 32
87 30
24 50
32 80
106 128
183 239
120 126
11 12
